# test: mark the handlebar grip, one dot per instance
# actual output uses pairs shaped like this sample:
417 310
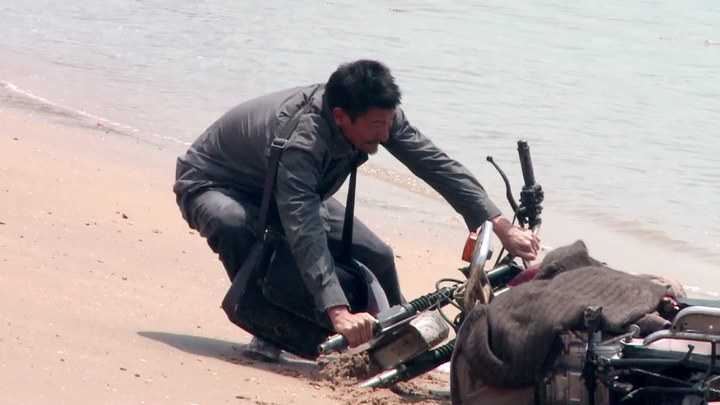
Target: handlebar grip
500 277
335 343
338 343
526 163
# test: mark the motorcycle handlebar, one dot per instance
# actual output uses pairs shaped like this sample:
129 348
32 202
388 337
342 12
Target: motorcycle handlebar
526 163
394 315
333 344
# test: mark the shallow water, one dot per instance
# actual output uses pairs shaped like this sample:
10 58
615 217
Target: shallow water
618 101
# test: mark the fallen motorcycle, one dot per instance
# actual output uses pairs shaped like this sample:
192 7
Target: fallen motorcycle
675 364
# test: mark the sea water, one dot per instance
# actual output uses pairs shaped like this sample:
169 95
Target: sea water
619 101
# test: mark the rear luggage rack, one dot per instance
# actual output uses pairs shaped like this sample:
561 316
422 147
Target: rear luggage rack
697 323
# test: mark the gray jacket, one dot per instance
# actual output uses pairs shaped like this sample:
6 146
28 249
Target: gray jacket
232 153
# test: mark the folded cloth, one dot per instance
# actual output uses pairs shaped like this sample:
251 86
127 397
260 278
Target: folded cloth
513 341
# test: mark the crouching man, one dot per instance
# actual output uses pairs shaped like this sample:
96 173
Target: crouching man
331 129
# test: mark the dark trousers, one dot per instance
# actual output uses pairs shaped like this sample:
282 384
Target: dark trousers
228 221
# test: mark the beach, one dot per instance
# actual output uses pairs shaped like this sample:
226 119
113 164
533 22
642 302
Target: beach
109 298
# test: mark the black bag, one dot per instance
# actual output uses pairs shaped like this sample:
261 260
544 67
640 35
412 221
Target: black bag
268 298
284 287
247 306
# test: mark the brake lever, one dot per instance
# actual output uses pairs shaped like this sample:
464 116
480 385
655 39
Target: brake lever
508 188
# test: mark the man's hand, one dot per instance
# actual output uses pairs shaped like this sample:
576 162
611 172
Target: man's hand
518 241
357 328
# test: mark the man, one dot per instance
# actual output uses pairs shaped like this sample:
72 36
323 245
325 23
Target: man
220 180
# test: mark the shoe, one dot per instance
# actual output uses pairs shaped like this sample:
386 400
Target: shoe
261 350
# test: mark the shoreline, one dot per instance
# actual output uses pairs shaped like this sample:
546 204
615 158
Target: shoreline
621 243
599 228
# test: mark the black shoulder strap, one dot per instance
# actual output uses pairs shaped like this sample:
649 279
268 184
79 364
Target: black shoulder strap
346 247
276 148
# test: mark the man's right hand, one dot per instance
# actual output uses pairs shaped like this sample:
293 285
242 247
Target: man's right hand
357 328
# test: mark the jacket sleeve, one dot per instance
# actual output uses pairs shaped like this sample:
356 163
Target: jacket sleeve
299 208
447 176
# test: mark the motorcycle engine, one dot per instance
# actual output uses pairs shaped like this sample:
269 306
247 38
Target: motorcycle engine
566 383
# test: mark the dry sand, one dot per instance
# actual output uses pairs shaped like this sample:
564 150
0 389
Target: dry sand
109 298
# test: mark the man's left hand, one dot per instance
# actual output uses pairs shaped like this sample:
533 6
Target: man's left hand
519 242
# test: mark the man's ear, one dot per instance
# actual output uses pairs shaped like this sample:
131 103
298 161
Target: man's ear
340 116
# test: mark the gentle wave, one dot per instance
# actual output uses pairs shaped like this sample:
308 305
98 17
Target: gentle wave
410 183
648 232
27 100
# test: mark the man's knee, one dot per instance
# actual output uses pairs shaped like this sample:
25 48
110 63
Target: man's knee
374 253
217 215
225 223
385 254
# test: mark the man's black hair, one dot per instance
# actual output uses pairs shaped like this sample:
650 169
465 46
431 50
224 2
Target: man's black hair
359 86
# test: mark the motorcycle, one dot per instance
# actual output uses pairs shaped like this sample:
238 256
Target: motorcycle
675 364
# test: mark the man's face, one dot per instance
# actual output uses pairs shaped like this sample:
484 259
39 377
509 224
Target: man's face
368 131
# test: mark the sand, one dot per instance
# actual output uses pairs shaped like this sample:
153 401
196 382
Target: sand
109 298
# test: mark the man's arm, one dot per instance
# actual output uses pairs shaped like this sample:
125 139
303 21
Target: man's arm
457 185
299 209
447 176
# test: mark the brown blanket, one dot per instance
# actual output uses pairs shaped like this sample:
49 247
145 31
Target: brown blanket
511 342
